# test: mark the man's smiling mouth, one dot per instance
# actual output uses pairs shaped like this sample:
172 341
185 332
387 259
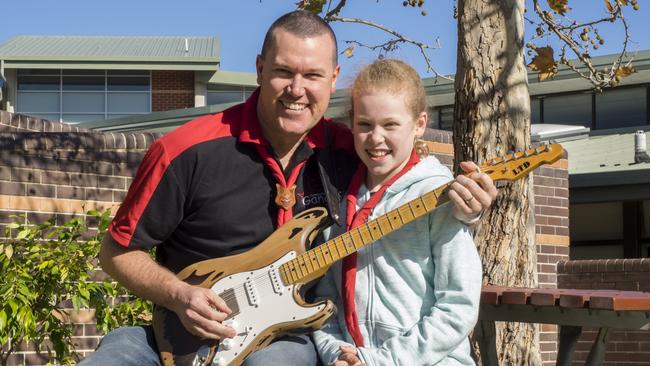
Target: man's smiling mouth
294 106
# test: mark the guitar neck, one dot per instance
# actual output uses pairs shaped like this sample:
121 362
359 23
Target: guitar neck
510 167
323 256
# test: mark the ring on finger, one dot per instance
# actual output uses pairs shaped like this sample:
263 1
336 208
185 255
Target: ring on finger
469 199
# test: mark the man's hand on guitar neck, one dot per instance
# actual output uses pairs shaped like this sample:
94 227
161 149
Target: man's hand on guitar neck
201 311
471 194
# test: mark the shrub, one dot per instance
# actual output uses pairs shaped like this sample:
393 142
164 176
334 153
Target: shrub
45 269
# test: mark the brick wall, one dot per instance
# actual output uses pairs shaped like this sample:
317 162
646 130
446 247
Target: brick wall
627 347
56 170
52 169
171 90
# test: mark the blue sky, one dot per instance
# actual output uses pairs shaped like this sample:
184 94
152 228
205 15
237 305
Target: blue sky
241 25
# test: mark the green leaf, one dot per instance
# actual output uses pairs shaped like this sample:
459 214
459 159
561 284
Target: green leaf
22 234
3 321
84 293
9 251
13 225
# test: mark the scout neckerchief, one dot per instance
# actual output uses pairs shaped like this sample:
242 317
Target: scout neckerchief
354 220
285 196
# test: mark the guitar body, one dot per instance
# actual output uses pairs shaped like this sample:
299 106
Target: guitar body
264 308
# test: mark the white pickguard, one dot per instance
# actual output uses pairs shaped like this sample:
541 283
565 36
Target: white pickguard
263 303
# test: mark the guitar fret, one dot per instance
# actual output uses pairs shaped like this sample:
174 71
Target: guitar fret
295 271
357 237
384 225
428 201
302 266
373 230
337 244
348 243
313 259
308 263
417 207
323 261
406 213
326 249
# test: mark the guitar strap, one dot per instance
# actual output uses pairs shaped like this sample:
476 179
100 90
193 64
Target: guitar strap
334 177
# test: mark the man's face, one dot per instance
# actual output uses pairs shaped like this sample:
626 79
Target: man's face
296 78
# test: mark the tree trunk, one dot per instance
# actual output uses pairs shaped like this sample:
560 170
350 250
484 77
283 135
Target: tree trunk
492 116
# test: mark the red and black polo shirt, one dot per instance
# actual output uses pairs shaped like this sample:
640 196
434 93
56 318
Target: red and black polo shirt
202 191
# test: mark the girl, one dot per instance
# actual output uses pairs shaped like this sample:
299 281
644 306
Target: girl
412 297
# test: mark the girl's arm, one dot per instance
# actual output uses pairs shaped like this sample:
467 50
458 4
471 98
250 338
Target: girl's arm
329 339
457 289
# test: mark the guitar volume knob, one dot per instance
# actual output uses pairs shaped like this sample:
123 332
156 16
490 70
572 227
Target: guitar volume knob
227 344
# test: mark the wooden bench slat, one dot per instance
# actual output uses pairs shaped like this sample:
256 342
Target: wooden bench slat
567 298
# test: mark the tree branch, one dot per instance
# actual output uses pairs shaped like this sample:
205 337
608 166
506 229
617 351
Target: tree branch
566 34
390 44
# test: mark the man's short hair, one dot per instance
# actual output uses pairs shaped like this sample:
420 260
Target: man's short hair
303 24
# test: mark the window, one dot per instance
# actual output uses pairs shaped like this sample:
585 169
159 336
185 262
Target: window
568 109
218 94
446 118
535 110
75 96
617 108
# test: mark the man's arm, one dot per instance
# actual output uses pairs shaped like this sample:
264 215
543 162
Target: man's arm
471 195
200 310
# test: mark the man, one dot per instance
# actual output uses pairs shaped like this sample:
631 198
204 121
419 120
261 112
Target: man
222 183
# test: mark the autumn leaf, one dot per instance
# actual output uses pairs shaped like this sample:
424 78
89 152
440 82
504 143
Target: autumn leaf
610 7
559 6
625 71
314 6
622 2
543 63
349 52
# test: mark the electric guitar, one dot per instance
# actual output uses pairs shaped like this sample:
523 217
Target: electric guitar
261 286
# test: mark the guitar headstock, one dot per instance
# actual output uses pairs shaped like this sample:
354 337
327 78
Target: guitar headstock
517 165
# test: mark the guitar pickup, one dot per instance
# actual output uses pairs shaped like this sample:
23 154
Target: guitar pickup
251 293
275 281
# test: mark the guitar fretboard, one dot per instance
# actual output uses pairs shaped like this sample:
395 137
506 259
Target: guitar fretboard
323 256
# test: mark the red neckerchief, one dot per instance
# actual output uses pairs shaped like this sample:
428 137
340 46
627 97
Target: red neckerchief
354 220
251 132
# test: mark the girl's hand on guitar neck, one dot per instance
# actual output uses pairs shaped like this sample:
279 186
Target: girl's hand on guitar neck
201 311
471 194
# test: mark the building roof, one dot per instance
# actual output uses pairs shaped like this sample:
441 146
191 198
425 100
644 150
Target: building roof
602 167
440 91
134 52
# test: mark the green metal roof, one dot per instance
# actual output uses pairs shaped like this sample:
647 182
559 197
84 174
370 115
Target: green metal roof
602 168
135 52
234 78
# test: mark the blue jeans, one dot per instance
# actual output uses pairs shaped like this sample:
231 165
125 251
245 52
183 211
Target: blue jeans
136 346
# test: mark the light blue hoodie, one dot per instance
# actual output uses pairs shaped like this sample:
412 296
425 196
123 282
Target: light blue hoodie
417 289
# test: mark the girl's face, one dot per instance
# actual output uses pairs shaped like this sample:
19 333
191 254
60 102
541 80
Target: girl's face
384 132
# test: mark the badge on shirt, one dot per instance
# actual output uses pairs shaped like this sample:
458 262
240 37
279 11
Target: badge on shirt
285 197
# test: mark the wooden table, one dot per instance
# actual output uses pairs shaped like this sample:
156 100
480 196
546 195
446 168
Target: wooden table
571 309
